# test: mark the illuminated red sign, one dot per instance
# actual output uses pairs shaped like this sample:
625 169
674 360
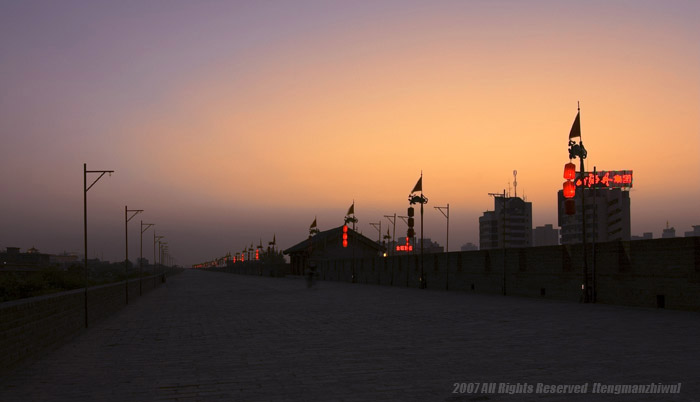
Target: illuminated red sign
610 179
404 247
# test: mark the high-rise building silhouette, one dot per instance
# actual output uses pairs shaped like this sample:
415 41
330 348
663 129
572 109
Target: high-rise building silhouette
512 224
607 216
669 232
545 235
694 232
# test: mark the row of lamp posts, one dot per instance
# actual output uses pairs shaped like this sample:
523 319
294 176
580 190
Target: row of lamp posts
129 214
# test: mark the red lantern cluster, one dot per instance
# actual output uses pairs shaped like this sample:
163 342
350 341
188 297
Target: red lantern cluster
410 232
569 171
569 175
345 235
405 247
569 188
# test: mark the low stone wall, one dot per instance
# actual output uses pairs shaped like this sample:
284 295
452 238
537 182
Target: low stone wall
646 273
29 327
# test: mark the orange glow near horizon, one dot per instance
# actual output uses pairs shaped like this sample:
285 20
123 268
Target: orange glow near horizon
328 135
318 126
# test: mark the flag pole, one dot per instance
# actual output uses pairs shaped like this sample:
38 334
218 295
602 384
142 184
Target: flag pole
353 214
422 273
586 297
422 200
353 246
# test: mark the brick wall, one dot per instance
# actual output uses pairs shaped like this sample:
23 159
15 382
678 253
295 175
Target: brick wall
29 327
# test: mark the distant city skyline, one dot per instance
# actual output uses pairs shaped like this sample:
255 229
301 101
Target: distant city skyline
232 122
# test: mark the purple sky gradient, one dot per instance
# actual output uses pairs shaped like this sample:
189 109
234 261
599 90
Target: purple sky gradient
228 122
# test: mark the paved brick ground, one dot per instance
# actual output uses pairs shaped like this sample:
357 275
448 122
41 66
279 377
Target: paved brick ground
216 336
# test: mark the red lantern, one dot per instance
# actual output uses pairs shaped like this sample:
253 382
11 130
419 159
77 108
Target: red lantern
345 235
570 207
569 189
569 171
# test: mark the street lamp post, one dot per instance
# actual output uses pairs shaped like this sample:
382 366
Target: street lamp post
156 239
127 218
392 220
387 240
166 255
378 226
445 211
86 188
143 229
163 247
505 208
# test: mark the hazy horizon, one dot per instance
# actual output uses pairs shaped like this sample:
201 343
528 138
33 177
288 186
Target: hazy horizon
231 122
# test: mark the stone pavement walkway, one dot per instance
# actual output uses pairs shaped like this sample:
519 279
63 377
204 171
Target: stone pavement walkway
217 336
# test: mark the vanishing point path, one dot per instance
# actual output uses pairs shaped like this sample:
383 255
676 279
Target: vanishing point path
223 337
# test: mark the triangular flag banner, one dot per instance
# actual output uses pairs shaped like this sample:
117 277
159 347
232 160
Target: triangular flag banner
313 225
419 185
576 127
351 210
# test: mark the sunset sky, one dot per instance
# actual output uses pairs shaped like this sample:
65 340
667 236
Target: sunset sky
231 121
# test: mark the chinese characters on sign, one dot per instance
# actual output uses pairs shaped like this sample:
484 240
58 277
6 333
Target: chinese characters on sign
609 179
404 247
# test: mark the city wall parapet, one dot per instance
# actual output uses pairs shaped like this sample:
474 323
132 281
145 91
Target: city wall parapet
32 326
645 273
